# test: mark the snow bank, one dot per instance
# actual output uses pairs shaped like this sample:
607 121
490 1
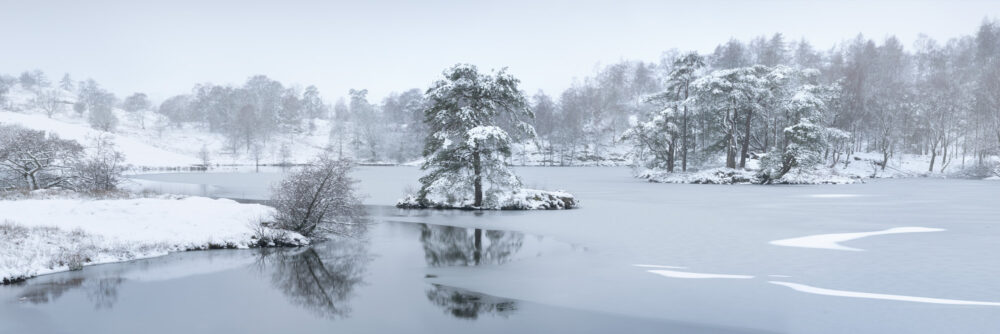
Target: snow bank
740 176
50 235
710 176
521 199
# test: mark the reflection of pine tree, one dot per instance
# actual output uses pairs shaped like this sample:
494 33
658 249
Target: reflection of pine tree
321 278
456 246
469 305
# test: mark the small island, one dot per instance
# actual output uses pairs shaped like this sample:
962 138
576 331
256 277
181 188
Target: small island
471 118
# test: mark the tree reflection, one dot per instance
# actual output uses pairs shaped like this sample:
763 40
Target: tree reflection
320 278
456 246
103 292
469 305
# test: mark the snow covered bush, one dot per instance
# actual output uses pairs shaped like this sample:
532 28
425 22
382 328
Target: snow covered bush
710 176
102 170
319 200
35 159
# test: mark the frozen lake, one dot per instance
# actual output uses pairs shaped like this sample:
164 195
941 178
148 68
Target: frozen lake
911 255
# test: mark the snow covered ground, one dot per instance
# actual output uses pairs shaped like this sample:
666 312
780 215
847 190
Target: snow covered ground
521 199
40 236
858 167
157 145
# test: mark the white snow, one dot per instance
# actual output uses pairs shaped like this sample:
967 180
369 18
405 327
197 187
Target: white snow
39 233
516 199
174 146
684 274
832 241
868 295
136 152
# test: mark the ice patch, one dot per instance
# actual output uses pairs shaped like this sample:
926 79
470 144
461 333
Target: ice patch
657 266
684 274
868 295
831 241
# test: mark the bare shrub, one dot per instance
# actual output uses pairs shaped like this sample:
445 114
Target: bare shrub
319 200
102 171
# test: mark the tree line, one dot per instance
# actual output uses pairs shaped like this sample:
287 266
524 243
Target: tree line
936 98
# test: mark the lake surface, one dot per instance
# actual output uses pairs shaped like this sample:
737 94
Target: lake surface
636 257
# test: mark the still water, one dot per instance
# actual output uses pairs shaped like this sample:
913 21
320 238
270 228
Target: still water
636 257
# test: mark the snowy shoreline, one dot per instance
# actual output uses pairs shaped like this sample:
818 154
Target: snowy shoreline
522 199
53 233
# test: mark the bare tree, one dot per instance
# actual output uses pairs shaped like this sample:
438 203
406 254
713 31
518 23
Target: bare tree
136 105
40 160
205 156
319 200
48 100
103 169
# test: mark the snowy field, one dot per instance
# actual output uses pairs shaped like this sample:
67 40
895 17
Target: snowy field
46 235
886 256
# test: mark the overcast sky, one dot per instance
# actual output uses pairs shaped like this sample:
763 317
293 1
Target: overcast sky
165 47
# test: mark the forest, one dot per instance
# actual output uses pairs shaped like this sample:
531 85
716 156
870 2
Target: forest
685 111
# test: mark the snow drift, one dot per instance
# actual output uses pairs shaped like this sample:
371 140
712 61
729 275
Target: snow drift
40 236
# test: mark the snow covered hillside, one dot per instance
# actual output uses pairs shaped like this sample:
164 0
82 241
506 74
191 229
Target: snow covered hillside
155 143
45 235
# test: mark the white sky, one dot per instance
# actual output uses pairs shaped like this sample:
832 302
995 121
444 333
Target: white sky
165 47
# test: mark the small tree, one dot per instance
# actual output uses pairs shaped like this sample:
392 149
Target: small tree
466 148
205 156
102 116
79 108
285 154
136 105
48 100
66 83
101 170
318 200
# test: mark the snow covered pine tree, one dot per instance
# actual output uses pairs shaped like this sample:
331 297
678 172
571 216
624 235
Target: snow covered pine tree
468 117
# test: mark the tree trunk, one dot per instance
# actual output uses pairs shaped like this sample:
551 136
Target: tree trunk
731 142
670 156
479 246
933 155
746 140
684 141
684 134
478 178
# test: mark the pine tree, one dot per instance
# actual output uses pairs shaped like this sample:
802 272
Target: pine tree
66 83
466 148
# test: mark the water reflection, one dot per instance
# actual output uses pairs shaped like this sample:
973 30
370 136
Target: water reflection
457 246
321 278
102 292
469 305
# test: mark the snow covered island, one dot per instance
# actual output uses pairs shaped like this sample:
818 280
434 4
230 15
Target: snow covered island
466 153
49 231
520 199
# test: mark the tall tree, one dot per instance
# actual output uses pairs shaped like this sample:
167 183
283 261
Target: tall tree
466 149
